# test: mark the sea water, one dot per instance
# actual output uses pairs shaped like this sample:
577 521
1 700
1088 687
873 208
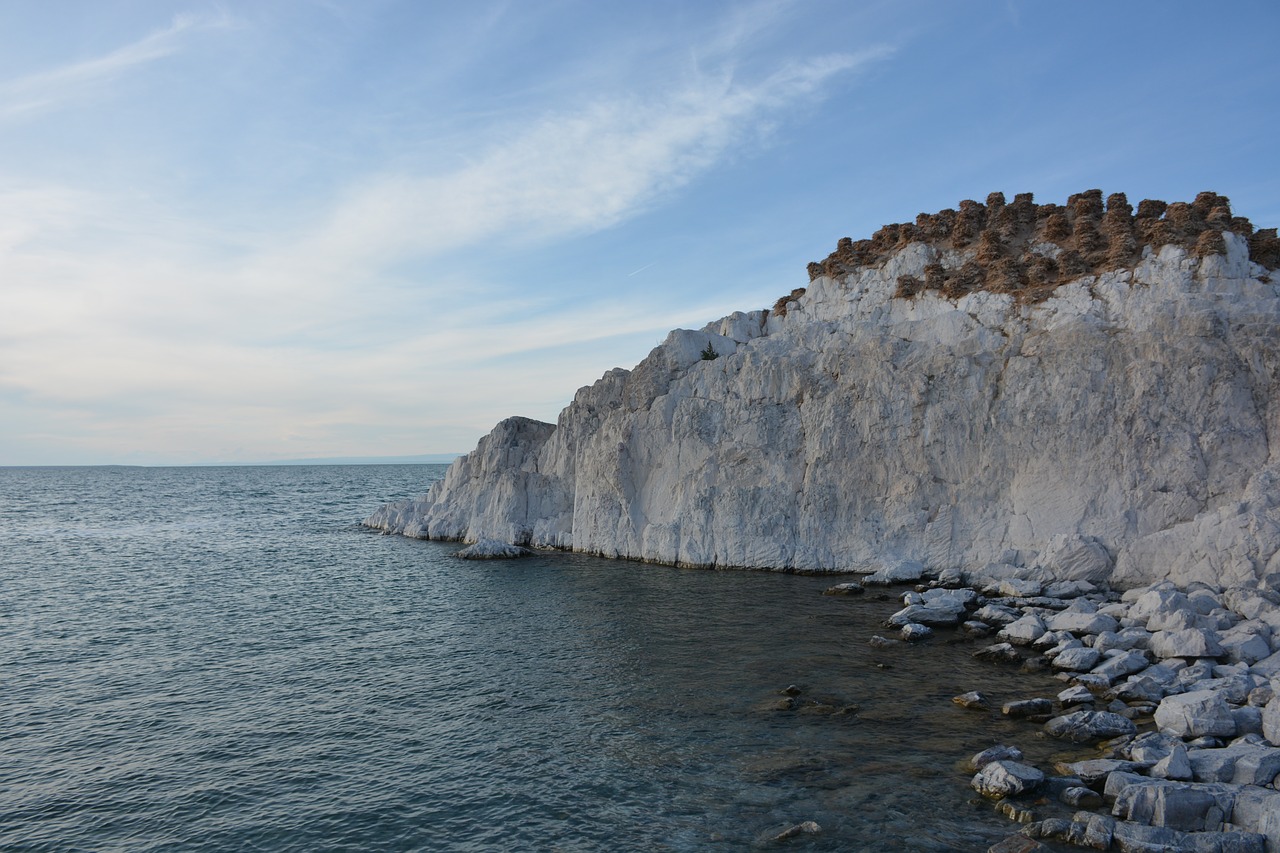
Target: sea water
224 659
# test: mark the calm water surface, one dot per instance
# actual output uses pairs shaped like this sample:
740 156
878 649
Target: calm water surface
223 659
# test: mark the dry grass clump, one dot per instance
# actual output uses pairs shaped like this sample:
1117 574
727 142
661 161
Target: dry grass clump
908 287
1057 228
1264 248
1008 242
1118 231
1209 243
780 307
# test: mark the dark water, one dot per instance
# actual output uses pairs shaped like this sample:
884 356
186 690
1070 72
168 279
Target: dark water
222 659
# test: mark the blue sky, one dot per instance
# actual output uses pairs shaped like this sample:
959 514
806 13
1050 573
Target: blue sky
252 231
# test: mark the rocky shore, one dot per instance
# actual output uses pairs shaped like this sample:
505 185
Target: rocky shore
1170 703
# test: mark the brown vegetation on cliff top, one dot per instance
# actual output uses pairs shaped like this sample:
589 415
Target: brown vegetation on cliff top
1028 250
780 307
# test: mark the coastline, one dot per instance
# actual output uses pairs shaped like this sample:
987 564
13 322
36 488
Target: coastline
1168 702
1158 737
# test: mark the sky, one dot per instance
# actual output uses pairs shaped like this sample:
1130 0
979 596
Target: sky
253 231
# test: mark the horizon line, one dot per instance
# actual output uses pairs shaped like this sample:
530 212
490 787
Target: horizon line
414 459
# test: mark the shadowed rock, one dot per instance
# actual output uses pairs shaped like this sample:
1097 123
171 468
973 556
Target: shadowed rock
1089 726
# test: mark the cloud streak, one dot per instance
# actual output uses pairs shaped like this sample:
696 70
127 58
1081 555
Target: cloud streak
35 93
570 172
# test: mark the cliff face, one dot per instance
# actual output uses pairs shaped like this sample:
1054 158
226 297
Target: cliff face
951 396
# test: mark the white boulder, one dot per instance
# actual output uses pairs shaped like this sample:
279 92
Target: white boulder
1007 779
1188 643
1024 631
1076 660
1078 622
1195 714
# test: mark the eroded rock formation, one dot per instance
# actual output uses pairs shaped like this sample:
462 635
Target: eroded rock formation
1028 250
1065 392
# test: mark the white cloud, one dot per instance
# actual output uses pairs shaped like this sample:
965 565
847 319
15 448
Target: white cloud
570 172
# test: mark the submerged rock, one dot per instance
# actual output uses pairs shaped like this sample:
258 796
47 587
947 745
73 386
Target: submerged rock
1003 752
936 614
914 632
808 827
492 549
1027 708
1000 653
1017 844
973 700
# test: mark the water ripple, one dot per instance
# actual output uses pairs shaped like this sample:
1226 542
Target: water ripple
221 659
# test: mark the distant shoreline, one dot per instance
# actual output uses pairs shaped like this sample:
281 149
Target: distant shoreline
425 459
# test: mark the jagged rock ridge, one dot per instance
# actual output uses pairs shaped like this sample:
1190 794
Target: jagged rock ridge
1115 423
1028 250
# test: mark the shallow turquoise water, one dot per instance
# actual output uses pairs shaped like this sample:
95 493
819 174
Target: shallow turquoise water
222 658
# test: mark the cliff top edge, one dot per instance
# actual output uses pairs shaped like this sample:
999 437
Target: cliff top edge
1028 250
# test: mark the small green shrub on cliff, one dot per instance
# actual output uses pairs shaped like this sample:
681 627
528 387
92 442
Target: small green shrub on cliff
709 354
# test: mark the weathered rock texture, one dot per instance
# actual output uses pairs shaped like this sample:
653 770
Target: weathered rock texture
1048 392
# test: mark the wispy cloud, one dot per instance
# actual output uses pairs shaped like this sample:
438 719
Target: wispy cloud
744 24
45 90
571 171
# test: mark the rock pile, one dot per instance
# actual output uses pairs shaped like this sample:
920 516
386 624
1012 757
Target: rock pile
1178 689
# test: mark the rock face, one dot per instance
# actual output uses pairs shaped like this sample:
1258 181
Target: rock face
1061 394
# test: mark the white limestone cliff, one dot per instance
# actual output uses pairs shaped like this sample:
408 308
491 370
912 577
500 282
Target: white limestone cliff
1124 429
